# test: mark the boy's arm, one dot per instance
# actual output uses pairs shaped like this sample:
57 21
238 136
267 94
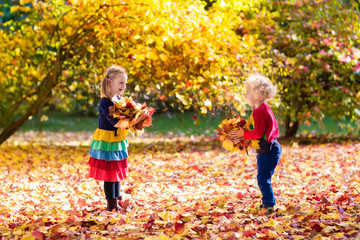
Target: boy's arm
260 126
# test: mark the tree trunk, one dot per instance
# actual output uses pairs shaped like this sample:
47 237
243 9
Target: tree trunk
17 123
291 127
44 93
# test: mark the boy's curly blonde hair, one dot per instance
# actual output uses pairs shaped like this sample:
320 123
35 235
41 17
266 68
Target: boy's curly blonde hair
262 85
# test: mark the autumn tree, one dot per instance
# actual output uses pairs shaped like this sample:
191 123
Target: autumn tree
35 50
191 60
317 44
173 50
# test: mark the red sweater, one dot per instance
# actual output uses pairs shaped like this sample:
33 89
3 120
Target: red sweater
264 122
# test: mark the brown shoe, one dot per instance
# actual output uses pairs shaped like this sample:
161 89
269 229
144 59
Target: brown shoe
112 204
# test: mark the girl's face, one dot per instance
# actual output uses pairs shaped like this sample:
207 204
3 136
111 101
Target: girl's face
252 97
118 84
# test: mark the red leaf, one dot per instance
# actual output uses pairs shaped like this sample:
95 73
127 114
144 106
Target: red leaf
179 226
38 235
333 188
343 197
357 219
129 190
240 195
122 221
249 233
150 222
315 226
200 230
111 111
81 202
129 105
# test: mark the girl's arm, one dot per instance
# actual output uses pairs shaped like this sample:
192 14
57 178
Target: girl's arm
139 119
104 109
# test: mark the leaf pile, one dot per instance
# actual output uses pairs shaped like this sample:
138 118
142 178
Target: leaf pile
179 188
128 111
229 124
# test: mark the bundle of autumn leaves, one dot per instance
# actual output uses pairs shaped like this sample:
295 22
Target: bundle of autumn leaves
229 124
126 110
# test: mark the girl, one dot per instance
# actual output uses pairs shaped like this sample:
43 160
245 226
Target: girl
108 154
259 89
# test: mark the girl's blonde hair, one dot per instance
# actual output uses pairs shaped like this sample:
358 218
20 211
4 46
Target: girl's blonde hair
262 85
110 73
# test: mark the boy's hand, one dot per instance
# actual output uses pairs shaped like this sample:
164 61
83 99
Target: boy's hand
237 133
236 140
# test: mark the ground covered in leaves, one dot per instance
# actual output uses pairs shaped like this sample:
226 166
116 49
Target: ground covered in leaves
178 188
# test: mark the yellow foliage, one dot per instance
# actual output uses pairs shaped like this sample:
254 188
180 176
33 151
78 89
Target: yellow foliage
255 144
172 48
228 145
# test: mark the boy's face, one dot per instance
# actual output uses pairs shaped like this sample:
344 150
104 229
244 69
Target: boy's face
252 97
118 84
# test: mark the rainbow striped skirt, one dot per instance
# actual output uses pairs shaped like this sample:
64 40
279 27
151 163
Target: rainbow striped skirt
108 155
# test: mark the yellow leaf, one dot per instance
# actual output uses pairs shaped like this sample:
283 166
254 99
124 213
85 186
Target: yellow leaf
255 144
17 231
272 234
163 237
153 56
222 138
270 223
203 110
207 206
28 236
23 2
44 118
14 9
329 229
339 234
228 145
165 215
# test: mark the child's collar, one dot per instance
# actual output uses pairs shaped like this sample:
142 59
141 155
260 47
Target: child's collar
259 105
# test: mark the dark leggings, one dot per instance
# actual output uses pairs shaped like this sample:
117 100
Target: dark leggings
112 189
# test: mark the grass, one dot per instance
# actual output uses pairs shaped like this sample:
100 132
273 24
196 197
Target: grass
60 122
165 123
168 123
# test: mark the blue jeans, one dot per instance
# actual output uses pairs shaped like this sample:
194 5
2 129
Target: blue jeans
266 166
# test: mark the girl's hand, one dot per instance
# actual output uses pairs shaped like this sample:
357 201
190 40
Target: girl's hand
121 124
143 116
237 133
140 118
117 125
